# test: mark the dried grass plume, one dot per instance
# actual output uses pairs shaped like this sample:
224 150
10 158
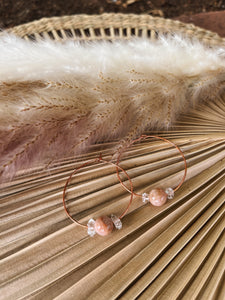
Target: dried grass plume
58 98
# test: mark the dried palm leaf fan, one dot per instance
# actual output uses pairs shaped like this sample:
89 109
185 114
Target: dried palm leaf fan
171 252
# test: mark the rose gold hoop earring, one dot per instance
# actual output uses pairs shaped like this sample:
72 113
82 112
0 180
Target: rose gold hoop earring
157 196
104 224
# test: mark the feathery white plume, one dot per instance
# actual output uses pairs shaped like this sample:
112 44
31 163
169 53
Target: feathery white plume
57 98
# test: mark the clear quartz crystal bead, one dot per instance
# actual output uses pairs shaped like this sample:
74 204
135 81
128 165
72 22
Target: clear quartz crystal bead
91 227
116 221
170 192
145 197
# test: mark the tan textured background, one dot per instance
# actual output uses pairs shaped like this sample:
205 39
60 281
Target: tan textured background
171 252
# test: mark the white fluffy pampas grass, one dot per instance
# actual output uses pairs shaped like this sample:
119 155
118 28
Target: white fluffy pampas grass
56 99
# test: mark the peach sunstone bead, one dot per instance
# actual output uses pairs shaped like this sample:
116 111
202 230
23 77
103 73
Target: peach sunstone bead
157 197
103 225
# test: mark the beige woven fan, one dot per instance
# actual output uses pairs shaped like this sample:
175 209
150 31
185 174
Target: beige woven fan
171 252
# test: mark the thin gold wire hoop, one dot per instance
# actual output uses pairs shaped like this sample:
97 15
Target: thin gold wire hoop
143 137
99 159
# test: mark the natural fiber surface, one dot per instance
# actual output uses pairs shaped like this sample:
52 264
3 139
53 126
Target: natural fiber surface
111 26
171 252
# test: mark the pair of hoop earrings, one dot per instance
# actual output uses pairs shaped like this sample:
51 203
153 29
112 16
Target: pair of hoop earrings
157 197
